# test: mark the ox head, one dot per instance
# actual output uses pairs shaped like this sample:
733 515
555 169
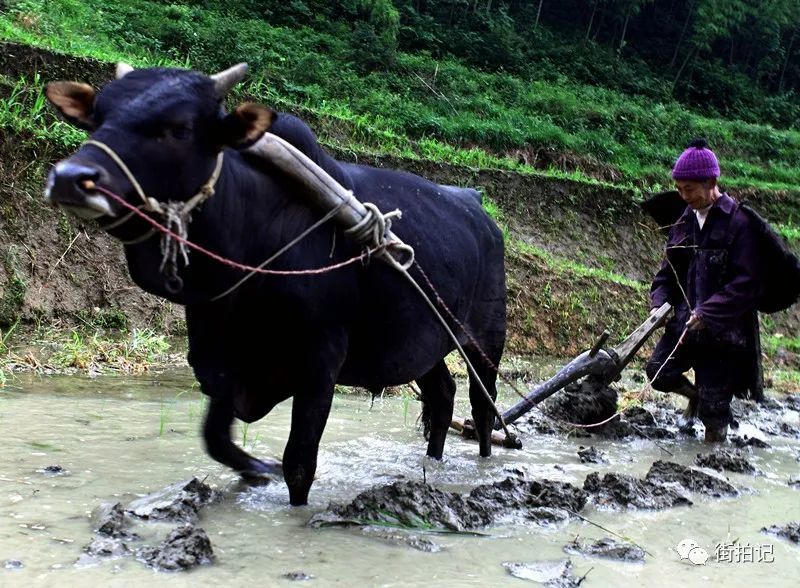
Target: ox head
166 125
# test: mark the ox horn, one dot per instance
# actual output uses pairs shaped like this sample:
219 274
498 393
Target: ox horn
123 69
225 80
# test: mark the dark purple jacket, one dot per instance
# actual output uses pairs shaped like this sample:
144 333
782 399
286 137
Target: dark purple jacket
717 267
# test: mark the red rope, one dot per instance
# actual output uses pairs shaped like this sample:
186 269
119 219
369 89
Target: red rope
223 260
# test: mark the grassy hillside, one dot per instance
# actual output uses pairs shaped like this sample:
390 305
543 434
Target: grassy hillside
419 107
580 253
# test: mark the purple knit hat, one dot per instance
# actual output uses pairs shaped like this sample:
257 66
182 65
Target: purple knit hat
698 162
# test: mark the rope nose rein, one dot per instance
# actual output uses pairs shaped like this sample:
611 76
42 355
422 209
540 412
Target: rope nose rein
176 214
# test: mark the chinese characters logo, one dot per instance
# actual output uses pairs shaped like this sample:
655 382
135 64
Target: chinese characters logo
726 552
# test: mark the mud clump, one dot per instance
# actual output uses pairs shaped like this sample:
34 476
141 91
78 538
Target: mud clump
667 472
179 502
745 441
519 494
53 470
551 574
790 531
409 504
402 538
792 402
666 484
586 402
607 548
113 523
417 505
637 421
590 402
111 534
299 576
623 491
591 455
725 460
185 547
104 546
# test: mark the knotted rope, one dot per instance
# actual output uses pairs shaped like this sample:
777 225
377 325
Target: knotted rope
176 214
177 222
373 231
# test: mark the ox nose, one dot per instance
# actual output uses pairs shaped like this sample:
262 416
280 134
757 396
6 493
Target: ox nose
65 183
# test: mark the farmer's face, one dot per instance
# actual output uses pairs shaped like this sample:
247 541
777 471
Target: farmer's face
696 194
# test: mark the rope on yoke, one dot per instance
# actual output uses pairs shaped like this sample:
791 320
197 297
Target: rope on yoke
372 232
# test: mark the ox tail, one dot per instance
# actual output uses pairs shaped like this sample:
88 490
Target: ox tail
425 417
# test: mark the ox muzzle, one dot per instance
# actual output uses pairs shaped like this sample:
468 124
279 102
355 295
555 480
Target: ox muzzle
67 186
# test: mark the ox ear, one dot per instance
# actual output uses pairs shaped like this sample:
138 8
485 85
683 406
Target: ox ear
245 125
75 101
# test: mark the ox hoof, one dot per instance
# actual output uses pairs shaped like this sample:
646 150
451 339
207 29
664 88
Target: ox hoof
261 472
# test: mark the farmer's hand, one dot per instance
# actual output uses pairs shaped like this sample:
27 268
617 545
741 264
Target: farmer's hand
695 323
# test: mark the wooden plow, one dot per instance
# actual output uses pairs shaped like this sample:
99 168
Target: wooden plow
606 364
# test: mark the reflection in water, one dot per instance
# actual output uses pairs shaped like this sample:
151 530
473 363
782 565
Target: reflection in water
116 439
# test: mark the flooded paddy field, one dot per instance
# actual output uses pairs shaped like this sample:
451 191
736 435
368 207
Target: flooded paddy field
72 444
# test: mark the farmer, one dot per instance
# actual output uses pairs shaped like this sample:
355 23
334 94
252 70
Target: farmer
710 276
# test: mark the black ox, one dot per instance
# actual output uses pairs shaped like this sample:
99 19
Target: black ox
275 337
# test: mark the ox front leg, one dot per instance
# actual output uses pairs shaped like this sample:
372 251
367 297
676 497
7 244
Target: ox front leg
314 372
220 446
309 415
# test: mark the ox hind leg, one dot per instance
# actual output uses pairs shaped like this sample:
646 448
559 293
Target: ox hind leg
483 416
438 394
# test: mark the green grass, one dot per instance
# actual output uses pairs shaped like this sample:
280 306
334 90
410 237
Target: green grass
568 266
25 110
423 108
5 353
772 343
133 353
787 381
788 231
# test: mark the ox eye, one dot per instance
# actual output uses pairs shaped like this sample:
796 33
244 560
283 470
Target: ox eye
180 132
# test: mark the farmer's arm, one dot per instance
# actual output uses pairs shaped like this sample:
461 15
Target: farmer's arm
740 294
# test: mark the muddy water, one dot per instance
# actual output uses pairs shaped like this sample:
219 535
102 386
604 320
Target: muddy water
121 438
